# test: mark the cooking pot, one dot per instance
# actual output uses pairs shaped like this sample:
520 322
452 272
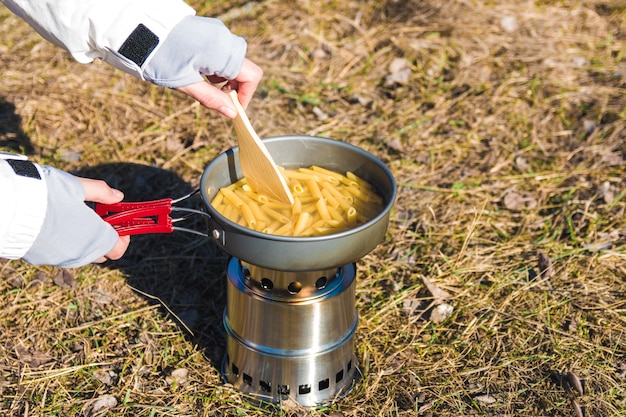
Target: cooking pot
288 253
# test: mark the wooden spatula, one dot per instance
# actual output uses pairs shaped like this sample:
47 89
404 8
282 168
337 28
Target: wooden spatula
255 161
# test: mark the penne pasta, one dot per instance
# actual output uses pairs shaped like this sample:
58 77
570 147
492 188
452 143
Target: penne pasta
258 212
296 187
340 198
322 208
260 225
217 200
274 214
360 182
248 216
351 215
285 229
297 206
314 188
231 197
253 195
330 198
301 176
301 223
335 214
365 209
324 202
331 174
272 227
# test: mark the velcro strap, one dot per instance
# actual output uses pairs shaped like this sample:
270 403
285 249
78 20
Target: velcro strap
24 168
139 45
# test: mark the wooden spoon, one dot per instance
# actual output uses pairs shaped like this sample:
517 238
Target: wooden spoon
255 161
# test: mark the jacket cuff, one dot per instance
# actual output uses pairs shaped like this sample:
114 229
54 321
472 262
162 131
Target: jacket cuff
24 205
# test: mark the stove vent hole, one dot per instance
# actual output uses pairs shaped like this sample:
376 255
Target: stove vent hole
265 386
246 272
323 384
339 376
267 284
294 287
247 379
304 389
283 390
235 370
349 365
321 283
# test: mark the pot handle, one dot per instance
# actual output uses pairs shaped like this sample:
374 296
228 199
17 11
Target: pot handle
147 217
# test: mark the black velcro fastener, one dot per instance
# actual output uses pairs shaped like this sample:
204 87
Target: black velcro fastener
24 168
138 46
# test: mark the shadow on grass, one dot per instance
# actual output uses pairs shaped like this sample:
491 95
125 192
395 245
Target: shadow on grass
12 137
183 272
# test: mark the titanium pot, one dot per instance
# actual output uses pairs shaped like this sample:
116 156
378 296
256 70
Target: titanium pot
289 253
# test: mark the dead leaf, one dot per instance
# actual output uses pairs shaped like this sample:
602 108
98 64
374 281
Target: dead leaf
64 279
101 297
513 201
179 376
570 324
576 383
16 281
100 404
69 155
321 53
613 158
399 72
589 125
607 192
321 114
362 100
393 366
516 202
40 278
441 313
509 23
173 144
34 359
545 265
413 306
395 145
521 164
438 294
485 399
580 411
103 376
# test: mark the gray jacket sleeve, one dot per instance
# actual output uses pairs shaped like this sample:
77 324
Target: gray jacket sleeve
72 234
130 34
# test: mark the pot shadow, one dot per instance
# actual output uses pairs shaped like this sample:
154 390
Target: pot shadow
182 272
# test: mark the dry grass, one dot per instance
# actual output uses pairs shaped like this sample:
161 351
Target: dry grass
504 123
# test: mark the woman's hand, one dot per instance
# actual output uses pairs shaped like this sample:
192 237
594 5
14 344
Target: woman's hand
212 97
72 234
98 191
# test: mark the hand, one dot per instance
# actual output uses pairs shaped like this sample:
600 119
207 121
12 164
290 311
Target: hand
72 234
200 49
210 96
98 191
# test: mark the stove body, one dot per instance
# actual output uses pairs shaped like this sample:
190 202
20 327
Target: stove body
290 335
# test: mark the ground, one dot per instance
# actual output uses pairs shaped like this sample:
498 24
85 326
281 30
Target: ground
504 124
